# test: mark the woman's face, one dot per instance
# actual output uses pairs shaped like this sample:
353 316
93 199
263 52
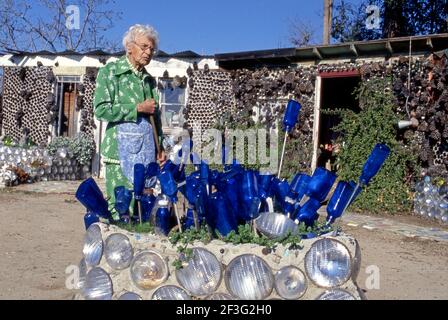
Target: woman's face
141 50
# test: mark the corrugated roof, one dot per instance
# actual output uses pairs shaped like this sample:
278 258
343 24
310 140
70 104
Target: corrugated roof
160 53
383 47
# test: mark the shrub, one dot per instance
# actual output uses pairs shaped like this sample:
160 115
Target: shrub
82 146
376 123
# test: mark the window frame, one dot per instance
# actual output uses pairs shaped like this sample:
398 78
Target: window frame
163 104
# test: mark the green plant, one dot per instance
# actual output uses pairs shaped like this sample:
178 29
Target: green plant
137 228
8 141
389 191
82 146
186 238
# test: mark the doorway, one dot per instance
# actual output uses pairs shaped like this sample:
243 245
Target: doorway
66 93
337 92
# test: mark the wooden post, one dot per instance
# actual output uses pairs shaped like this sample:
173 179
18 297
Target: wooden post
328 17
154 132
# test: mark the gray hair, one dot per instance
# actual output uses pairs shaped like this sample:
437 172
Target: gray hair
139 29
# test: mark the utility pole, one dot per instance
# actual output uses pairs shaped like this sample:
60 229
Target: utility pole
328 17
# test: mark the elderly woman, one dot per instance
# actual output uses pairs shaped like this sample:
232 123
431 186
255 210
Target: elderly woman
126 98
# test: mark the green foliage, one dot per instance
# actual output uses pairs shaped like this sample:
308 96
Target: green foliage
245 234
190 235
298 154
82 146
8 141
376 123
137 228
397 19
186 238
28 144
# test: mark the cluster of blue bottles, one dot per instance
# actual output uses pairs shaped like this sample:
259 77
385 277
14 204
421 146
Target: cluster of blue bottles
431 201
223 200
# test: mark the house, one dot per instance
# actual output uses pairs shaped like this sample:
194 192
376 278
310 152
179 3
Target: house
200 89
324 77
51 94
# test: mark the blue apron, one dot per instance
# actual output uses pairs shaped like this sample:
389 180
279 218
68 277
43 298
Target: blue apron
135 145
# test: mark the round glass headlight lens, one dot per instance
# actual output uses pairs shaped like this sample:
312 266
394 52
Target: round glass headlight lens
356 261
118 251
290 283
275 225
249 277
202 274
148 270
170 293
336 294
82 274
220 296
98 285
93 245
130 296
328 263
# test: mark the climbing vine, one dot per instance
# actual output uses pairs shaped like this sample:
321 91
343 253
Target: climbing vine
390 190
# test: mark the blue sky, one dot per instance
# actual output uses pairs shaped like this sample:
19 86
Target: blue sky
209 27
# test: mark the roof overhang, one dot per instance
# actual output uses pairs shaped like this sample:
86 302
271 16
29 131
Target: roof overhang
420 45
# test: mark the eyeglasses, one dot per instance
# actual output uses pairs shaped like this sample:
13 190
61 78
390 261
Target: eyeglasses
145 48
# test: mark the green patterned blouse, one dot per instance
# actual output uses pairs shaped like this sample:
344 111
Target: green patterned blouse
119 88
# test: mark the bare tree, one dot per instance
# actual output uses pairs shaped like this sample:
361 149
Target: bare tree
301 34
28 29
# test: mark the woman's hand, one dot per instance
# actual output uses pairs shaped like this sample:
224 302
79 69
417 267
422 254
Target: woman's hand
147 106
161 157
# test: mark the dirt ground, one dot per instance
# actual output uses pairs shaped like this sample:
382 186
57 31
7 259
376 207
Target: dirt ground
42 234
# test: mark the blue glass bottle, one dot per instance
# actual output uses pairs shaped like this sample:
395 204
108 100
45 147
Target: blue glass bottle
163 218
280 189
90 195
297 190
320 184
317 190
123 197
291 115
223 219
308 213
373 164
148 202
139 179
249 196
339 200
358 190
90 218
169 186
264 189
299 185
189 221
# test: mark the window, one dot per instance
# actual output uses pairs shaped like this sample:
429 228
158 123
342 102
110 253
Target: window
172 103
